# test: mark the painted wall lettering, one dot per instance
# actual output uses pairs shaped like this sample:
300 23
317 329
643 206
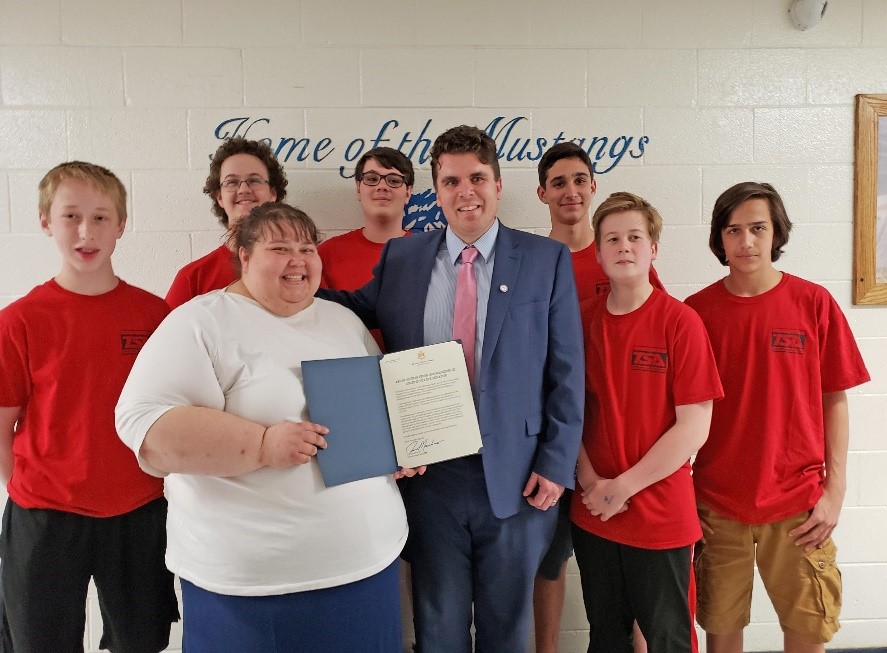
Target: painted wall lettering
513 136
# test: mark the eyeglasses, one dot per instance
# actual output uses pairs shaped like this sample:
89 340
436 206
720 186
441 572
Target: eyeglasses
392 179
254 183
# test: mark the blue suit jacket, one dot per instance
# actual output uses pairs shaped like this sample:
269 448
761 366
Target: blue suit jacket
531 387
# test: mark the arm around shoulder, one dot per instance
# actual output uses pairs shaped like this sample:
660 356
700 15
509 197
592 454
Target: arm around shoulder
362 302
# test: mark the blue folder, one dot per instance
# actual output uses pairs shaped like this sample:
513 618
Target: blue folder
346 395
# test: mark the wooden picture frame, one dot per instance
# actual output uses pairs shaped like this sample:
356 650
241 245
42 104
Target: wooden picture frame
870 237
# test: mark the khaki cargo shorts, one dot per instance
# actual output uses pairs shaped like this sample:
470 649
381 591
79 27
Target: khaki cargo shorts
805 588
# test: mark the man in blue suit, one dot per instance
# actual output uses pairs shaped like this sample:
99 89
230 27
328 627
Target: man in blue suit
480 525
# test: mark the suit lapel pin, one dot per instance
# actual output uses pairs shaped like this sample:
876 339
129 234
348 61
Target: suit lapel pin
503 288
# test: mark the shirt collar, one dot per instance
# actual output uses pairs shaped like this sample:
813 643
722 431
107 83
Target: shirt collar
484 244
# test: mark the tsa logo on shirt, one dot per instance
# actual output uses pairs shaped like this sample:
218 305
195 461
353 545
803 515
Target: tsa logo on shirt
649 359
789 342
601 287
131 342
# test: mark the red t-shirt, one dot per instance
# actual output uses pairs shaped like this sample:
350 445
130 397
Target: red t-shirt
64 358
638 367
591 280
210 272
777 353
348 260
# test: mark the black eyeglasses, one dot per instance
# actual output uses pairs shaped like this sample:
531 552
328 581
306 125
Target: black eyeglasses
393 180
254 183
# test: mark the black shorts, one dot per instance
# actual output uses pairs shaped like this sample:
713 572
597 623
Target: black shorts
561 547
5 637
49 557
621 584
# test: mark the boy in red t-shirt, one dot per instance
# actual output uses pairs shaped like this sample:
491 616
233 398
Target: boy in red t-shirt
650 383
243 174
79 506
384 178
567 187
771 478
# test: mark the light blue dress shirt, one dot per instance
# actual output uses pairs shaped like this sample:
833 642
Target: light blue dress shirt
441 296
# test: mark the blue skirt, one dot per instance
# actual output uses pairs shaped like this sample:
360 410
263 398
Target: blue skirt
359 617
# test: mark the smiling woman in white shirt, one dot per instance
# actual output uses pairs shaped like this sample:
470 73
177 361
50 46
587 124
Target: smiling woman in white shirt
270 559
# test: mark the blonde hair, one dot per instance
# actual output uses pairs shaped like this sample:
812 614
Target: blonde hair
622 202
100 178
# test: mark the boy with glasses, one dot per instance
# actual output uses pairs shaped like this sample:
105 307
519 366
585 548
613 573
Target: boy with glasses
384 180
242 175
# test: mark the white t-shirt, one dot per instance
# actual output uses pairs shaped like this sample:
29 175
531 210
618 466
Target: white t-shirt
272 531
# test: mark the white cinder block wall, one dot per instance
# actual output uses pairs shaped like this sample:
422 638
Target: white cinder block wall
723 91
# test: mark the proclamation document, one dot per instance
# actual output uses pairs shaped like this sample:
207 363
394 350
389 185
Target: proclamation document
430 405
405 409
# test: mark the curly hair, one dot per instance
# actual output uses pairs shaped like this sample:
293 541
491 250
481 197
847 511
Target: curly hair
239 145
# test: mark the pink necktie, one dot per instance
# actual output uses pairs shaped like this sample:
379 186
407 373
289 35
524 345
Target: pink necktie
465 309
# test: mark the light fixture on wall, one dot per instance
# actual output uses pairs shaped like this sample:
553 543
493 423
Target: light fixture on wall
805 14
